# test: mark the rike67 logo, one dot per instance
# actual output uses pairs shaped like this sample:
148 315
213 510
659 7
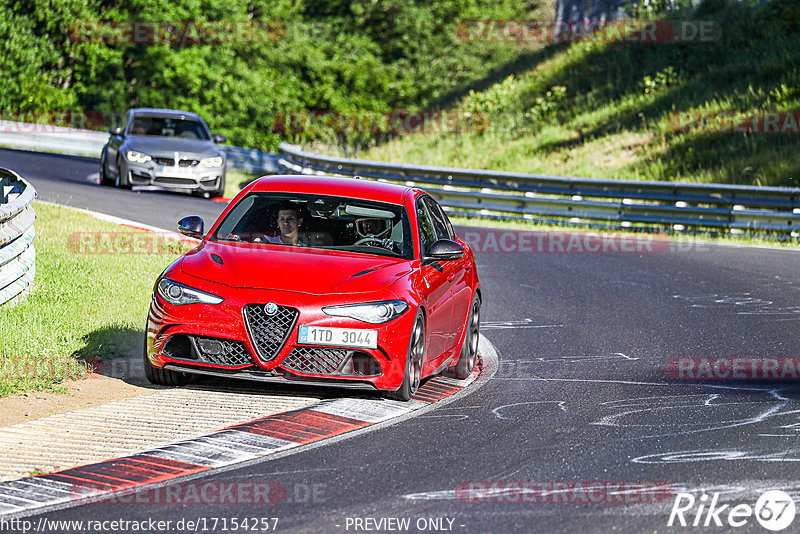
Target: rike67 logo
774 510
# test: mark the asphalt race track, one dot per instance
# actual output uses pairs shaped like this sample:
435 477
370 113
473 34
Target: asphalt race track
584 396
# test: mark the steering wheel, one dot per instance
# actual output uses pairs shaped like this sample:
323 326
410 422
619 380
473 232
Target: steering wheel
370 242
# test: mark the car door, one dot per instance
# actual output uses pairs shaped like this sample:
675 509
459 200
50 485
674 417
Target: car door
436 291
455 273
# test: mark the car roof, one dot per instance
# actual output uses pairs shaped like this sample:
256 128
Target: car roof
164 112
335 186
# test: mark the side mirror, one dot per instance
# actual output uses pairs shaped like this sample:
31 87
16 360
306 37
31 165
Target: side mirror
191 226
445 250
219 138
115 131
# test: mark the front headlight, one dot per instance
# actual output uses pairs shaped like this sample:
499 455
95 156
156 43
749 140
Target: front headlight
370 312
211 162
179 294
137 157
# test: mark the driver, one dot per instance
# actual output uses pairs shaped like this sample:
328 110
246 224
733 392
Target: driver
373 227
289 222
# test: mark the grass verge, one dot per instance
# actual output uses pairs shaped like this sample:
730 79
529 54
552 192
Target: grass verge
612 109
93 285
235 181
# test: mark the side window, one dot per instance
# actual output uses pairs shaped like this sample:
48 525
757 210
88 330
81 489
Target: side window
426 233
441 225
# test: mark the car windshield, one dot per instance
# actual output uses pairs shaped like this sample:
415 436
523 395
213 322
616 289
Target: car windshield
326 222
168 127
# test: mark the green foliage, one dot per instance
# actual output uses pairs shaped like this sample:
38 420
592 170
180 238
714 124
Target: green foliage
545 106
661 80
618 116
495 100
326 55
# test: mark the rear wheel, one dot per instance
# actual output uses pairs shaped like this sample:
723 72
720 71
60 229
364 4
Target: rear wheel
164 377
469 350
414 359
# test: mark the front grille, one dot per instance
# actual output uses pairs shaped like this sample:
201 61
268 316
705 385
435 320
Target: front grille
269 332
165 162
331 361
188 162
207 349
171 180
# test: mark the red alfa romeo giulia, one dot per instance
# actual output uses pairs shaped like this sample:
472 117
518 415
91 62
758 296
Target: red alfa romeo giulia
319 280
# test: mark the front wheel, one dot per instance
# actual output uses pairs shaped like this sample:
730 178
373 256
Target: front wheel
163 377
219 191
122 177
104 179
414 359
469 350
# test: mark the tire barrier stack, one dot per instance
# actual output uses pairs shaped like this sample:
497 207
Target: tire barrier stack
17 254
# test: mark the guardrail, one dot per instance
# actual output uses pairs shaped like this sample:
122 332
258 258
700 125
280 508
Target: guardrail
17 254
46 138
624 203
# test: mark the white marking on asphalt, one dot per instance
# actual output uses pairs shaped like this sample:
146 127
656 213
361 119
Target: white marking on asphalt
442 495
516 324
706 455
647 406
452 417
496 411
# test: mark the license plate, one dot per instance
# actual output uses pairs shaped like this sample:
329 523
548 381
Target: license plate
177 172
338 337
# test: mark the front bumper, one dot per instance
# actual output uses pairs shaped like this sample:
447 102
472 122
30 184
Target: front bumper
187 177
217 340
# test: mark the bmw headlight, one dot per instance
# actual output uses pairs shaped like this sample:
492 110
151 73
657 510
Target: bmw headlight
137 157
211 162
371 312
179 294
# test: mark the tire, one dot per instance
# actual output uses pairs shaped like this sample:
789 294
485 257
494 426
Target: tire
122 177
104 179
416 355
220 191
469 349
163 377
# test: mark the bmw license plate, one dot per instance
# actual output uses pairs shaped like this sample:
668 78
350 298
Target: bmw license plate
339 337
177 172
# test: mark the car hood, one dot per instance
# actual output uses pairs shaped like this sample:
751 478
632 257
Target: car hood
166 146
313 271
